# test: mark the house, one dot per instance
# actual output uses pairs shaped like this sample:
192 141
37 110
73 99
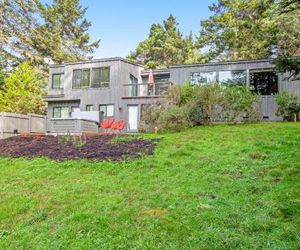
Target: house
82 93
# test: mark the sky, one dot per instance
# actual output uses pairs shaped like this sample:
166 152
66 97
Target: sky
122 24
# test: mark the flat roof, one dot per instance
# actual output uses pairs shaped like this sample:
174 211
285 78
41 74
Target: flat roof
95 61
222 63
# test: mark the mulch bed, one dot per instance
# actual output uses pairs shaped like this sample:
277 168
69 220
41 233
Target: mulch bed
96 148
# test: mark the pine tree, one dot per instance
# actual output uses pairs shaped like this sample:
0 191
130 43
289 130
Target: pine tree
239 29
166 45
32 31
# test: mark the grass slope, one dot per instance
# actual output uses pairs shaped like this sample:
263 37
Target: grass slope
217 187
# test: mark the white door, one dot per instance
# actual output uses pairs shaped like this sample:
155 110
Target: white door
133 118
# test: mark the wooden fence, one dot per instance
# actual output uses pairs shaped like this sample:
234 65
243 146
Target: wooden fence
11 123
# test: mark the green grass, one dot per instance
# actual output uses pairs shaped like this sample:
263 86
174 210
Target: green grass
218 187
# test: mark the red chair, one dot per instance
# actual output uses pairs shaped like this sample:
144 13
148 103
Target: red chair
119 125
107 123
122 125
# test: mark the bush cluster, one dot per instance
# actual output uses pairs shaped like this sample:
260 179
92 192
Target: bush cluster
190 105
288 106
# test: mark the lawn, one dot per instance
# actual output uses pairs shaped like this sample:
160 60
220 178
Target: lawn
218 187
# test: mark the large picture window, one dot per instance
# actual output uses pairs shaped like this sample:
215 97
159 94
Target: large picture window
58 81
100 77
264 82
60 112
235 77
81 78
107 110
199 78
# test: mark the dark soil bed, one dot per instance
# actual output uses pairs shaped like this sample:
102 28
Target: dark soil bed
97 148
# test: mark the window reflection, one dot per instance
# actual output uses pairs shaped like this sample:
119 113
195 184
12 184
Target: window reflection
199 78
236 77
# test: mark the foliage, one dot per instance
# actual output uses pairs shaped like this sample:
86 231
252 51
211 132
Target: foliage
123 138
288 64
251 29
180 95
288 105
226 187
173 119
208 98
239 30
238 101
166 45
22 91
149 118
33 31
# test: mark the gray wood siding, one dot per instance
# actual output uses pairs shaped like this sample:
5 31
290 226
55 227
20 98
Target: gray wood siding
89 126
119 75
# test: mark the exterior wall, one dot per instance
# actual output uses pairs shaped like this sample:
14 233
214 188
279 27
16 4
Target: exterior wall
119 75
120 69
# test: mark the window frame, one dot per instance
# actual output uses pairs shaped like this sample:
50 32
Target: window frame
81 86
90 106
101 84
203 72
259 91
105 105
244 83
60 111
61 83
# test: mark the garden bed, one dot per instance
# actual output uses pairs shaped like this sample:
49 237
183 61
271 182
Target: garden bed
102 147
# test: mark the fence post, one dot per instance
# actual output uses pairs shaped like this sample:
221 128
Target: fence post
29 122
1 126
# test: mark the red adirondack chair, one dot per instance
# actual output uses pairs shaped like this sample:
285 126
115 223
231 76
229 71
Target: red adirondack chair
107 123
119 125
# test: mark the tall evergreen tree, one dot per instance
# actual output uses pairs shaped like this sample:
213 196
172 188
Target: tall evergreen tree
166 45
33 31
239 29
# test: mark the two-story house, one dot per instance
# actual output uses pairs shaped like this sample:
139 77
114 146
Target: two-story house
80 93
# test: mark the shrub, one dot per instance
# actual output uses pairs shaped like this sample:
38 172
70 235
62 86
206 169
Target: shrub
173 118
288 105
239 101
149 118
180 95
208 98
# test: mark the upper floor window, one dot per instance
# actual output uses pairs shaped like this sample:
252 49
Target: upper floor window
58 81
133 81
199 78
235 77
60 112
100 77
81 78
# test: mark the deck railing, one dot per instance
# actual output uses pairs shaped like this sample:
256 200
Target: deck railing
146 89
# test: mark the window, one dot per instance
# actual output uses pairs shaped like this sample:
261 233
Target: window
264 82
100 77
60 112
89 107
107 110
199 78
81 78
75 109
133 85
236 77
58 81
